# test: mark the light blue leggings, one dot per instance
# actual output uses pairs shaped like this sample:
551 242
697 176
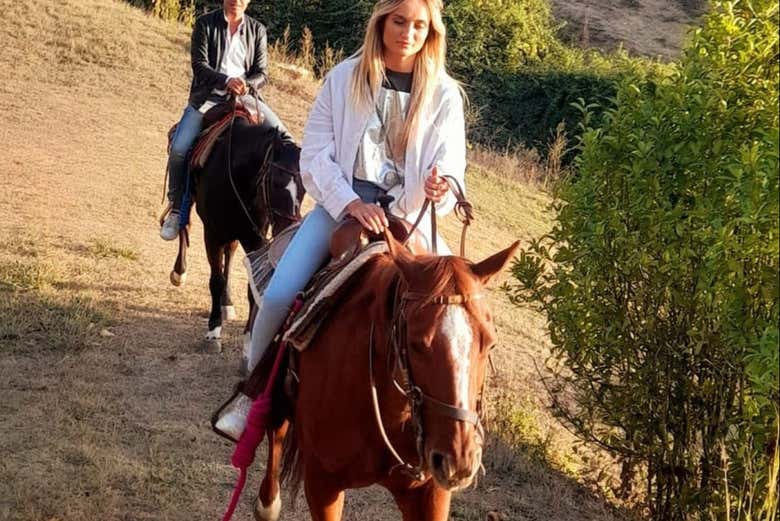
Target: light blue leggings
307 251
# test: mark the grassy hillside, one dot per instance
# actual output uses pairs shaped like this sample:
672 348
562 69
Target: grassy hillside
648 27
107 386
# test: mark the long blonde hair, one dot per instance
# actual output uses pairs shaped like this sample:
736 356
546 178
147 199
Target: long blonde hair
428 65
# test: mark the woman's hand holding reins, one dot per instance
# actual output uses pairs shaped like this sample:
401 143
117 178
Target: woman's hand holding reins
371 216
436 187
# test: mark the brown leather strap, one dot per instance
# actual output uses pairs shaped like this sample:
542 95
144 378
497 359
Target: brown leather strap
465 415
464 211
459 298
434 231
418 220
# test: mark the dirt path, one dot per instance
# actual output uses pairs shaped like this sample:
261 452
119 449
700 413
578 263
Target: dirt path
106 383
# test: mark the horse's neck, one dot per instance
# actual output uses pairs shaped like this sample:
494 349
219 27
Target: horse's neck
383 280
248 148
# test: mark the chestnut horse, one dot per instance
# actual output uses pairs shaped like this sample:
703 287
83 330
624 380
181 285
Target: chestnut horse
390 388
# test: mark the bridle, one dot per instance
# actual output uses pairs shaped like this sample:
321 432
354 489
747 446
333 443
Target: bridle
416 397
263 183
264 179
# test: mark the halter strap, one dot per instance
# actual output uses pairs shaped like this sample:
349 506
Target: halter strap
456 413
458 298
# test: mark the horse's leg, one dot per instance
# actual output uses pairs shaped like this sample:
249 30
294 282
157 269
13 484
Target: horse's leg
426 503
179 272
268 504
228 309
215 254
247 344
326 501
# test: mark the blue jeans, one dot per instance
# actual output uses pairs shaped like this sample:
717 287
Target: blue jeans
307 251
184 138
186 133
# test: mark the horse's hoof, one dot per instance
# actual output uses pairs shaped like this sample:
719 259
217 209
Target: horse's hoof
228 312
214 334
178 279
213 346
268 513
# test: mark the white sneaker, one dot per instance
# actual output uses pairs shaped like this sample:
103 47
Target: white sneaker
170 228
233 419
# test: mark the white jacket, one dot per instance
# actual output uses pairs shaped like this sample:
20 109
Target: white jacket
335 128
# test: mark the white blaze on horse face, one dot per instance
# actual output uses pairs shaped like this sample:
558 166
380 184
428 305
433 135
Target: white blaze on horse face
292 188
455 327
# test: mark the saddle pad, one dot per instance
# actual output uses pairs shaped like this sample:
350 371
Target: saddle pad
319 295
322 293
209 136
261 263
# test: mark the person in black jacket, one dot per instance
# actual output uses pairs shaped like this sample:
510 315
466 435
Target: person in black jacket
229 58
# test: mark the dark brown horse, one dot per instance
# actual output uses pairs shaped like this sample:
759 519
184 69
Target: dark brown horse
250 183
389 390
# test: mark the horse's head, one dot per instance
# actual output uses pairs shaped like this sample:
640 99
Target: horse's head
280 190
445 334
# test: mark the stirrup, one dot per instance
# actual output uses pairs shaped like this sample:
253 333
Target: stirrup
167 210
225 408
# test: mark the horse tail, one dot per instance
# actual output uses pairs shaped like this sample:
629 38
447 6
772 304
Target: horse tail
292 462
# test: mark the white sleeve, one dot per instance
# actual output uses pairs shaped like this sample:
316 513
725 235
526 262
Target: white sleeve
321 174
450 157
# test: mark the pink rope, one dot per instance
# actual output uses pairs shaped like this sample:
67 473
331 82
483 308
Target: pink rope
236 495
244 453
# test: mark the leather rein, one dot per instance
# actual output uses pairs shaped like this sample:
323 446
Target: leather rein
263 182
413 393
400 350
464 211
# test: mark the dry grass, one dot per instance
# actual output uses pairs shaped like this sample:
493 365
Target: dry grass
524 165
106 384
649 28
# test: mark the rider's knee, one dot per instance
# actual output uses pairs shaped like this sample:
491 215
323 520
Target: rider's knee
277 300
179 153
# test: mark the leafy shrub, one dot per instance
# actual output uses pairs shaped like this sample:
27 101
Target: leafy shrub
660 277
498 35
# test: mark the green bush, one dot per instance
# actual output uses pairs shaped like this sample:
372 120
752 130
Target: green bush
660 277
337 24
498 35
521 78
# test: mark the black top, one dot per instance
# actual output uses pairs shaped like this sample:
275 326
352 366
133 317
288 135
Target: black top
400 81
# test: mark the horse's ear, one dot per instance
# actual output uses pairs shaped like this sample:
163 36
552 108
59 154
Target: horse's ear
398 252
494 264
278 143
